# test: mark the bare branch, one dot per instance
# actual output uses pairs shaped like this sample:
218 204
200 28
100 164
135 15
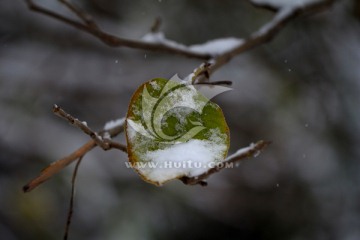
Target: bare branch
104 143
116 145
220 82
82 125
156 25
58 165
86 18
241 154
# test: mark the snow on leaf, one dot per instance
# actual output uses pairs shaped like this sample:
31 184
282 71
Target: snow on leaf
172 130
189 159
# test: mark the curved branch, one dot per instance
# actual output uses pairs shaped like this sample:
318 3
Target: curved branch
157 42
269 30
72 196
111 40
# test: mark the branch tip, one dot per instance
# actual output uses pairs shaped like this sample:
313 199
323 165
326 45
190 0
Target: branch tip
26 188
156 25
241 154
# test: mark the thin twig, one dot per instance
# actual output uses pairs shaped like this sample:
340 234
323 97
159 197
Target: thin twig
221 82
105 144
241 154
116 145
58 165
156 25
86 18
82 125
72 196
36 8
55 167
201 74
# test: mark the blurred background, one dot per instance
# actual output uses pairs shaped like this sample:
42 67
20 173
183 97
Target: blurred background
301 91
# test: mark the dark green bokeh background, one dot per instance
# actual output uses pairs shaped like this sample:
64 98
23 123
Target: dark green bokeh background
301 91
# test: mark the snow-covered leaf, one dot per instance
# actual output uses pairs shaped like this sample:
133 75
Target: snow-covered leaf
173 130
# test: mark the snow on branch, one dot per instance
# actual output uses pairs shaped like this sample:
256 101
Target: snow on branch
86 24
279 4
212 48
222 50
251 151
217 46
114 123
268 31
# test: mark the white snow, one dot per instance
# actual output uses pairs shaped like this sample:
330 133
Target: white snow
213 47
106 136
155 85
241 151
159 38
130 131
286 3
282 14
134 128
217 46
190 159
114 123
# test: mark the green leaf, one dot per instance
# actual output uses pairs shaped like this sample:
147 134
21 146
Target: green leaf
172 130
